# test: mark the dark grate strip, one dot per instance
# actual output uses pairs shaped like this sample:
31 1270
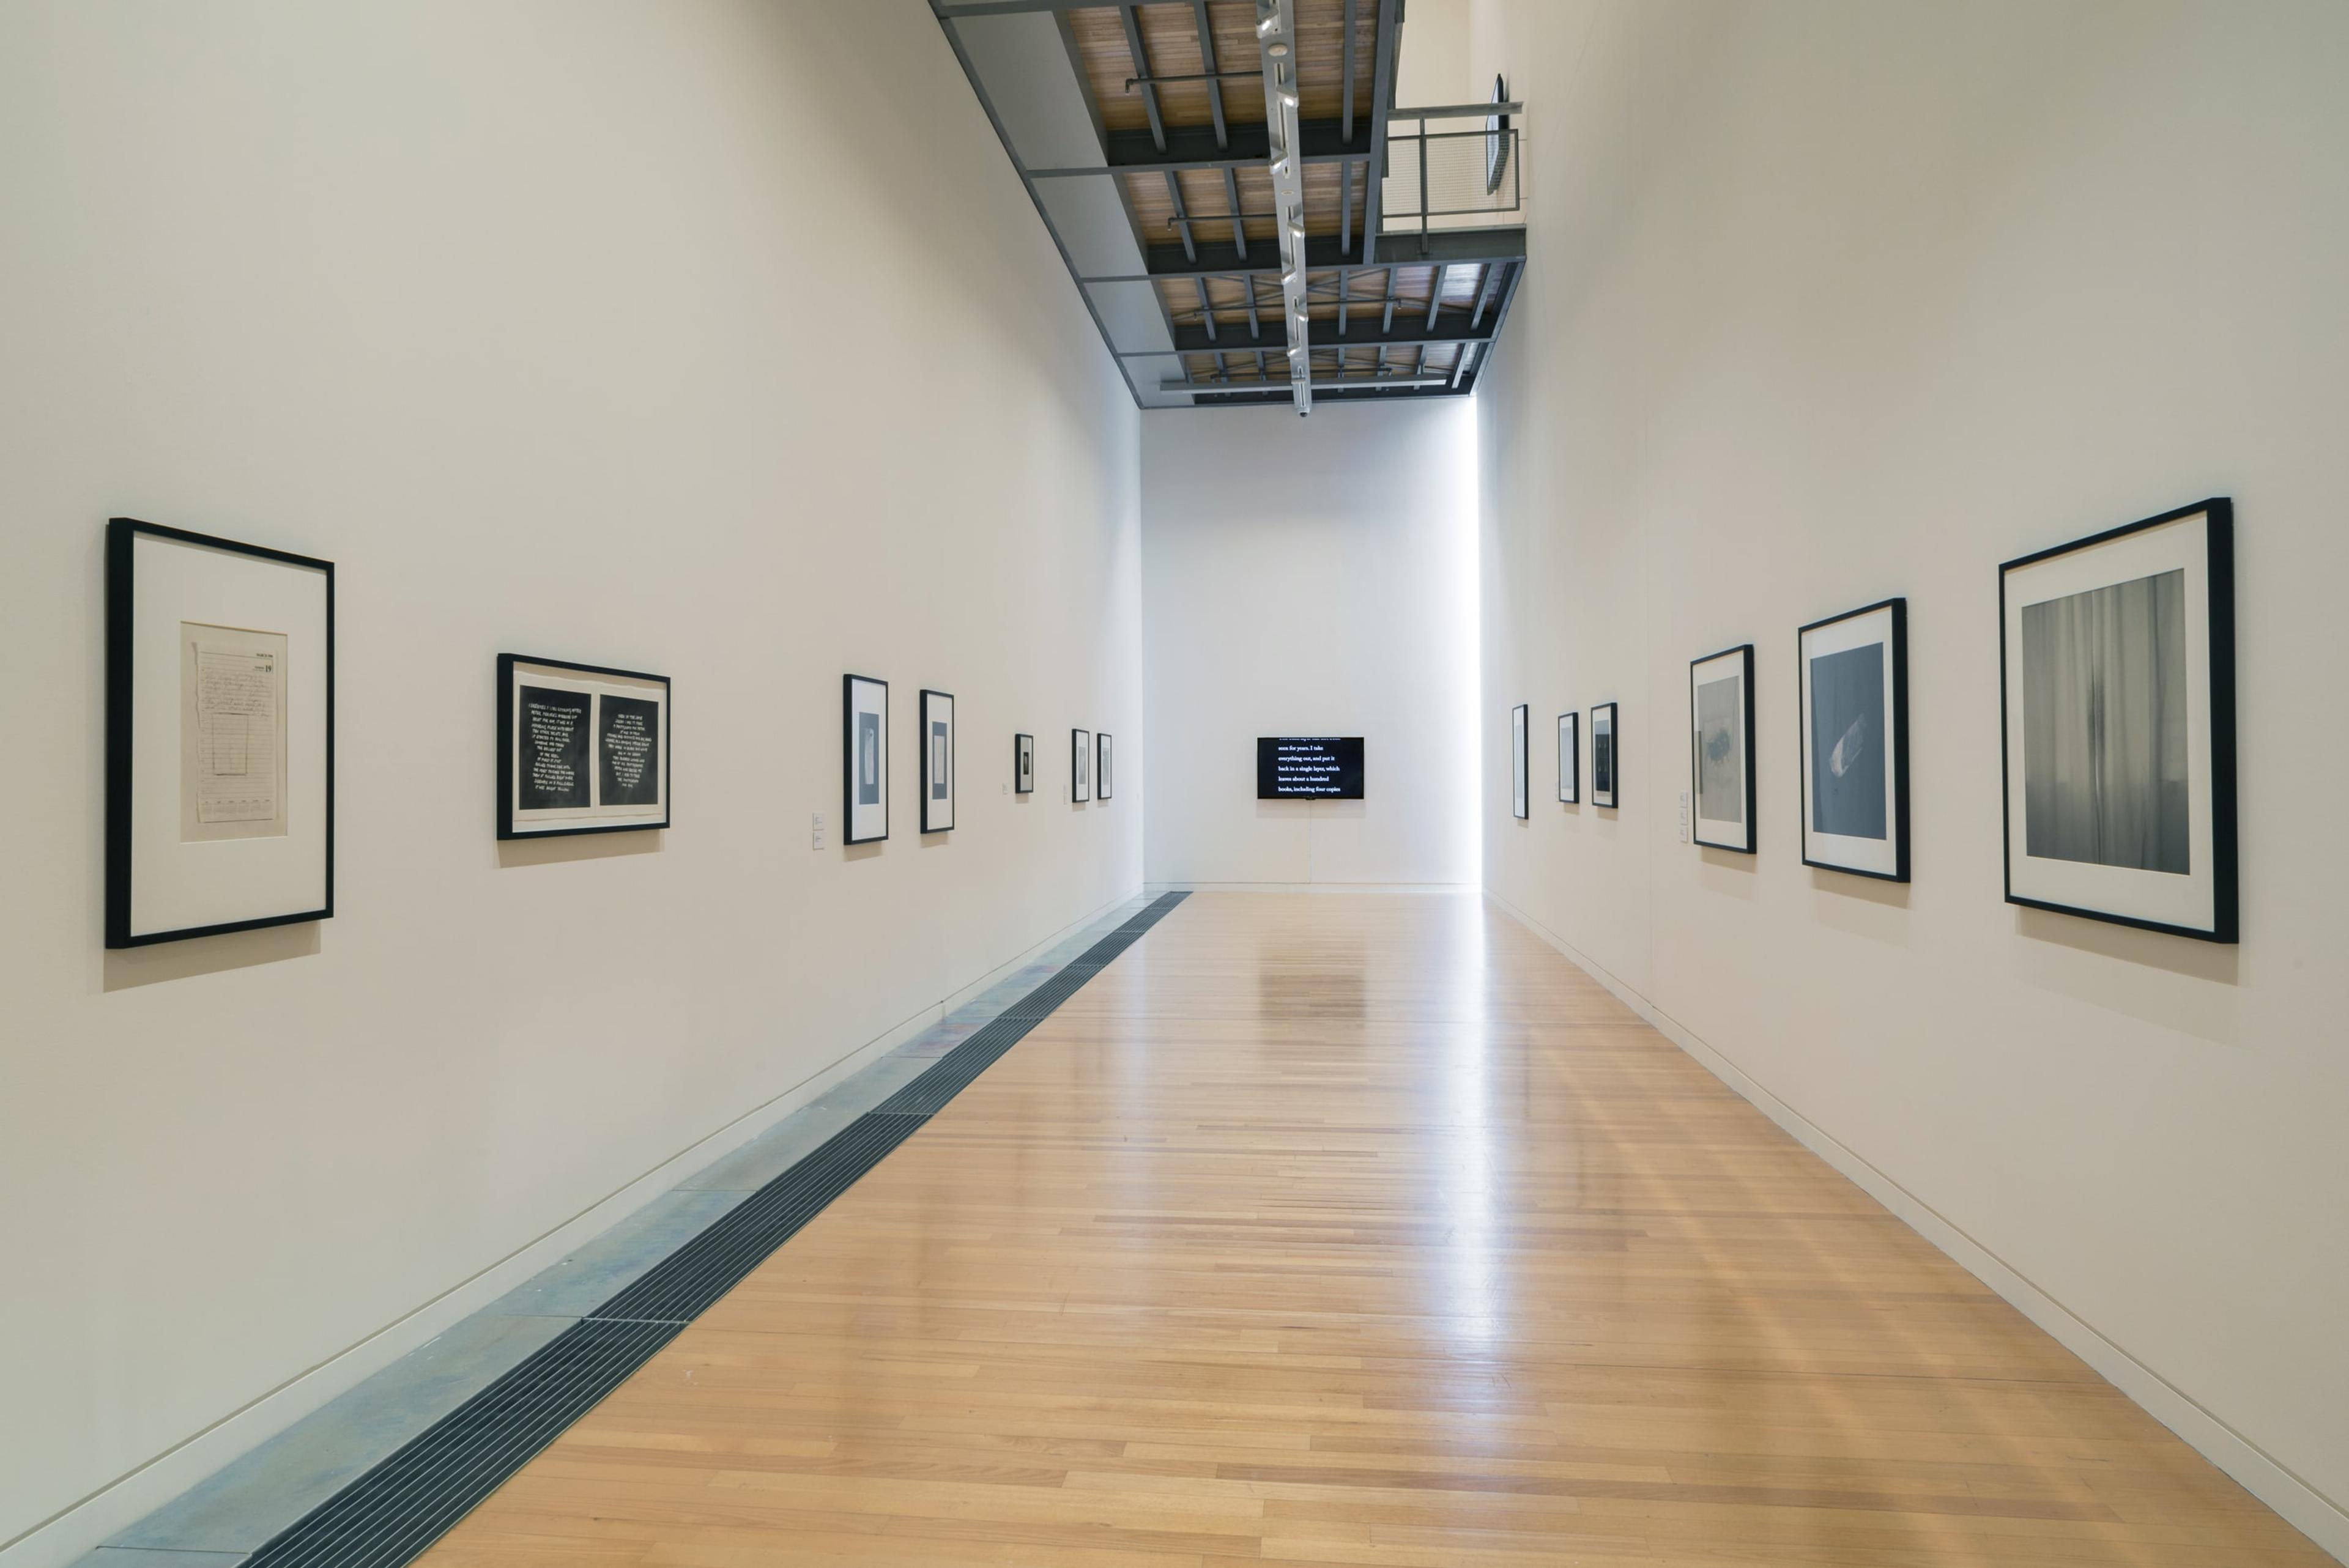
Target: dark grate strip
388 1516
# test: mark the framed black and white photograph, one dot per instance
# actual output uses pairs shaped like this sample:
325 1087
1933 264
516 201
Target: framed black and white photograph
2117 700
1606 755
1721 761
864 759
1520 793
1023 765
1855 723
581 748
1081 765
1100 766
219 736
1569 758
937 761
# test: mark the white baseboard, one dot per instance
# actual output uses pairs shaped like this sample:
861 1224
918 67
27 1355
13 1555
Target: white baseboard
2300 1505
72 1532
1310 887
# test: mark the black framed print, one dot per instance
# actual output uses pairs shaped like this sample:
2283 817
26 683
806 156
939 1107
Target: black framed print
1606 755
864 759
219 736
1569 758
1081 765
1855 733
1023 765
1520 805
581 748
1101 765
938 710
1721 753
2116 665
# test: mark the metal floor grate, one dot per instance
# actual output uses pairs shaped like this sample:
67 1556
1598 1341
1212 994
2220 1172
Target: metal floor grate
388 1516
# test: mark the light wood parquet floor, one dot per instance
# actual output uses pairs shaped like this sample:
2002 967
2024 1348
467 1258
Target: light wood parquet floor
1362 1230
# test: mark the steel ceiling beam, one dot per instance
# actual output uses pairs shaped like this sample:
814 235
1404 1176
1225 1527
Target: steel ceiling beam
1194 338
1446 247
1245 145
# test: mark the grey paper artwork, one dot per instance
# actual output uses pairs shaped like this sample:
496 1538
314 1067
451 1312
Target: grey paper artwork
552 773
868 760
937 760
1721 754
2104 726
1848 738
629 750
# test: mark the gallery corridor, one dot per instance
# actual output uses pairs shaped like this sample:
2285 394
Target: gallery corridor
1362 1230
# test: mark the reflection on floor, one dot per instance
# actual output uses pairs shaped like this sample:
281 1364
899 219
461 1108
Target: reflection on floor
1362 1230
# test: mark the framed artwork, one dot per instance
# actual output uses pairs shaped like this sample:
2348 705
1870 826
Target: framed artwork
2117 665
1081 765
1721 756
581 748
1519 764
1100 766
1023 765
219 736
937 709
1569 758
1606 755
864 758
1855 719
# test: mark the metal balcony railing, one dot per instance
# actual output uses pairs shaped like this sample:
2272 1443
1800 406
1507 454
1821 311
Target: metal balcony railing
1445 174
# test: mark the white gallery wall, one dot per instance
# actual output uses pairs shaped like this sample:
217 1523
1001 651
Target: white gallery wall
1311 576
1833 300
714 340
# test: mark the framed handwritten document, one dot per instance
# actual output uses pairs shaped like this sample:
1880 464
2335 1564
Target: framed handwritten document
581 748
219 736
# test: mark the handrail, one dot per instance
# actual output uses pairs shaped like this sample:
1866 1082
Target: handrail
1457 111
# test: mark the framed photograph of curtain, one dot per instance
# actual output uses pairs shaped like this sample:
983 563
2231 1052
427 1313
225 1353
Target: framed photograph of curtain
1854 751
1569 758
1520 792
1606 755
1023 765
1100 766
1081 765
2116 661
219 736
1721 754
937 709
581 748
864 759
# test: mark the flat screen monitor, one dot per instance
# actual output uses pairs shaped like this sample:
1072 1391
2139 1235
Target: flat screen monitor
1308 768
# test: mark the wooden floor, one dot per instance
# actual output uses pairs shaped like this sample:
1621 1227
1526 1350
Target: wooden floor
1362 1230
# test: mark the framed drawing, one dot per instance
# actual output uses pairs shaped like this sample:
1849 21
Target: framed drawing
1023 765
937 709
864 759
219 736
581 748
2116 665
1606 755
1855 719
1519 764
1100 766
1081 765
1721 754
1569 758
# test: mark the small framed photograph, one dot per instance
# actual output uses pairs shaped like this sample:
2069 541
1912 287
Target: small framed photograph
581 748
1721 704
1520 805
864 759
1100 766
1569 758
2117 665
1023 765
937 761
1855 717
219 736
1606 755
1081 765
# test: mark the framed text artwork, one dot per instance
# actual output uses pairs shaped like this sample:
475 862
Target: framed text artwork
1569 758
1606 755
1081 765
1721 749
581 748
1520 805
864 759
219 736
1023 765
2116 664
937 761
1855 734
1100 766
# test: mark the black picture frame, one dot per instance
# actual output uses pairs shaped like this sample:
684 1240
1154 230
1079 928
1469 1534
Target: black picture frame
121 761
508 828
1102 765
1081 756
1521 744
1569 758
1809 836
848 753
934 818
2216 560
1747 840
1023 764
1607 761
